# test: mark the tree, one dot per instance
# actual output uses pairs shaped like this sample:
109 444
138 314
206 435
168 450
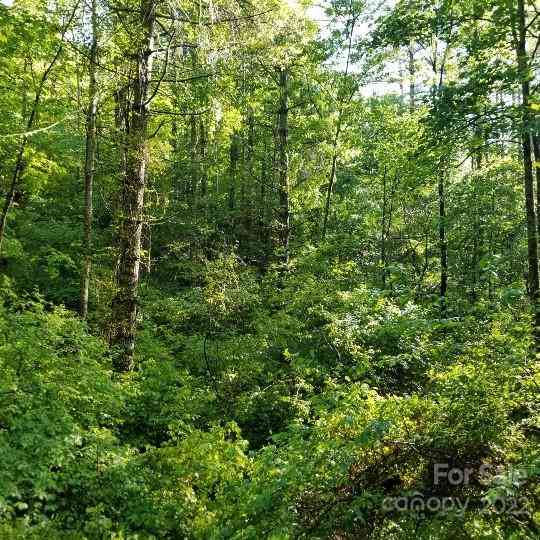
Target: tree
284 219
90 158
519 33
345 95
30 122
125 302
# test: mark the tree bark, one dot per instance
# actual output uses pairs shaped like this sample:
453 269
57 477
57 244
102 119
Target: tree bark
283 159
194 162
443 244
383 233
125 302
89 166
262 212
203 142
248 173
439 71
536 153
520 38
412 79
10 196
234 156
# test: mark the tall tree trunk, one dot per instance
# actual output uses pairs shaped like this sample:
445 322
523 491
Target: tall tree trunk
330 189
194 162
412 79
262 213
203 142
532 233
125 302
121 123
536 153
335 142
383 232
89 165
10 196
520 38
439 72
234 156
476 166
443 243
283 153
248 173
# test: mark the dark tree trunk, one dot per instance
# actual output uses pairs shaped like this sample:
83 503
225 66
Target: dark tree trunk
536 153
443 244
10 196
248 180
520 38
262 213
283 164
194 162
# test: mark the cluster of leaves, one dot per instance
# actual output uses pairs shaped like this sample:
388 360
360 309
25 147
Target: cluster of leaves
268 403
347 399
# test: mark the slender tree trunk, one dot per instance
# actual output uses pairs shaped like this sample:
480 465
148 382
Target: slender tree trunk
194 162
412 79
121 123
234 156
125 302
491 245
388 212
536 153
89 166
148 238
443 243
439 71
271 191
216 153
528 176
203 142
248 175
283 158
383 232
335 142
262 213
10 196
477 233
532 233
330 189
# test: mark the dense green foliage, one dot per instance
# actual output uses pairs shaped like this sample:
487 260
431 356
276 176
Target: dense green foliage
321 387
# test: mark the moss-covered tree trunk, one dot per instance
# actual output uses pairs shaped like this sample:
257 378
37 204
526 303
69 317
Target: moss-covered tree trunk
125 301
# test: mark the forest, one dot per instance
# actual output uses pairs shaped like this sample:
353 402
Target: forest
269 269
